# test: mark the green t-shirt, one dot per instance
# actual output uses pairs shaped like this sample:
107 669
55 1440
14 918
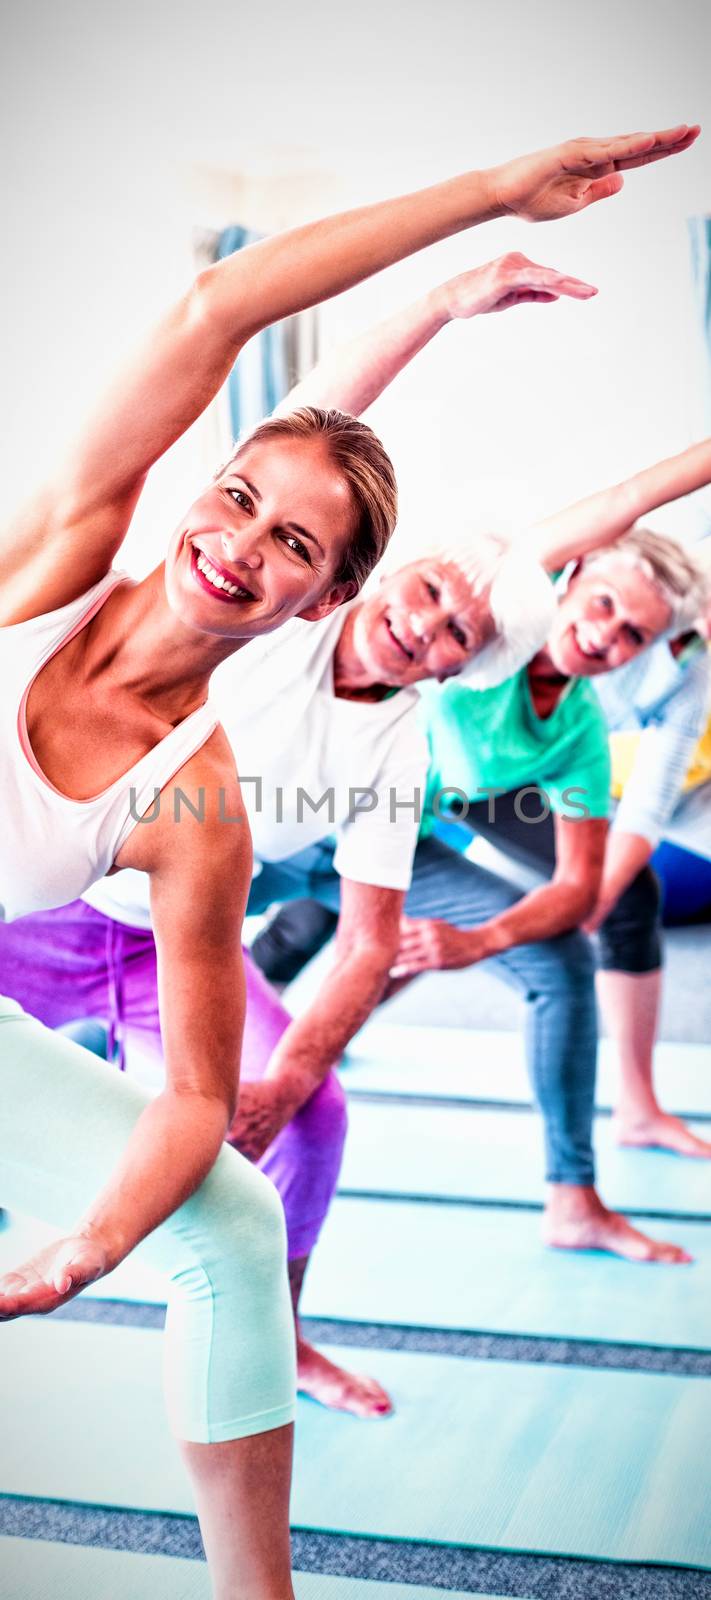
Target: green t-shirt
486 739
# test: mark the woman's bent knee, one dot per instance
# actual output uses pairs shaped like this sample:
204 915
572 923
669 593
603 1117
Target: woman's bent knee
231 1230
230 1355
630 939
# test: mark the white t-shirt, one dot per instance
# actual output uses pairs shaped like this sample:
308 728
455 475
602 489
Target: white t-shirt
312 766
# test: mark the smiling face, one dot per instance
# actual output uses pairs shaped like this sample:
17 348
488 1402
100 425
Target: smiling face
611 611
263 543
422 622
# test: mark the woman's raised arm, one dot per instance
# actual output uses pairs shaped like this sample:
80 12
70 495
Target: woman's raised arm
601 518
352 377
84 515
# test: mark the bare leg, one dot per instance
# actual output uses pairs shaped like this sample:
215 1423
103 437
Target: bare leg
631 1002
241 1492
321 1378
576 1219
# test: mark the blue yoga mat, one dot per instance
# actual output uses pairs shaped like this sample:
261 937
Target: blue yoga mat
485 1270
563 1460
31 1569
472 1064
473 1153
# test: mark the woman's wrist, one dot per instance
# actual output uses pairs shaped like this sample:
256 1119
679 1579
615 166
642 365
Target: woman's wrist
493 181
290 1089
107 1237
437 310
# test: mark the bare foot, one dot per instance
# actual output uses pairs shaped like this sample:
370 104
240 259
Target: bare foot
334 1387
578 1220
659 1131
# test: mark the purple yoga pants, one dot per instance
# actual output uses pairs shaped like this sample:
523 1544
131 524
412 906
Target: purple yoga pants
74 962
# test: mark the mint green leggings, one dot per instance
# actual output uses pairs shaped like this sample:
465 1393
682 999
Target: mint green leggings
229 1342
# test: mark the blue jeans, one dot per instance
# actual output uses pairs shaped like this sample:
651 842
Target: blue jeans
555 978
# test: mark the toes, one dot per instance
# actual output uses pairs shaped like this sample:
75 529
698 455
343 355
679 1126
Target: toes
676 1256
382 1402
364 1409
666 1254
370 1397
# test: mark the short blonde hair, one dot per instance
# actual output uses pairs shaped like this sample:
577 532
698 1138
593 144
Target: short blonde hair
365 467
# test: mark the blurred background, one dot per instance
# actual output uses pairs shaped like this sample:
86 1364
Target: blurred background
129 136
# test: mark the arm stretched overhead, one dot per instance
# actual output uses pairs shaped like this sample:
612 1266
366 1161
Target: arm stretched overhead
602 518
68 536
353 377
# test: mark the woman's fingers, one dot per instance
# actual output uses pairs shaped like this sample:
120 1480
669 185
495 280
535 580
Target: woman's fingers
658 155
76 1263
563 180
12 1289
522 297
518 278
671 143
405 969
411 952
628 150
25 1292
557 283
575 289
601 189
51 1277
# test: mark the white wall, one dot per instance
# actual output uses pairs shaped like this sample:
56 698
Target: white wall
105 111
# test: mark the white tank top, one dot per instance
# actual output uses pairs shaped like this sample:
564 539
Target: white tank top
51 847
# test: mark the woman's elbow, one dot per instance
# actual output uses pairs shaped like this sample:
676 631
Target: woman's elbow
216 311
200 302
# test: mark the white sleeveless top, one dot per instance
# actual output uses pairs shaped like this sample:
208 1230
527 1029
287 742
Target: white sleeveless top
51 847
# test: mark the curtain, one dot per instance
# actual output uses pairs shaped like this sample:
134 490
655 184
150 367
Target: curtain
270 363
700 234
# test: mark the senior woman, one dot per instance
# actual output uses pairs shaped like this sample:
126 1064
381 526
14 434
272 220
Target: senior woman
662 701
104 701
501 758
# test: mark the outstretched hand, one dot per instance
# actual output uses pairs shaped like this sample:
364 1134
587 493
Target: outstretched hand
52 1276
427 945
512 280
567 178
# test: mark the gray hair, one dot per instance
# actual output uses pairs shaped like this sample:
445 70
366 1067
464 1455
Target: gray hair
521 600
670 568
